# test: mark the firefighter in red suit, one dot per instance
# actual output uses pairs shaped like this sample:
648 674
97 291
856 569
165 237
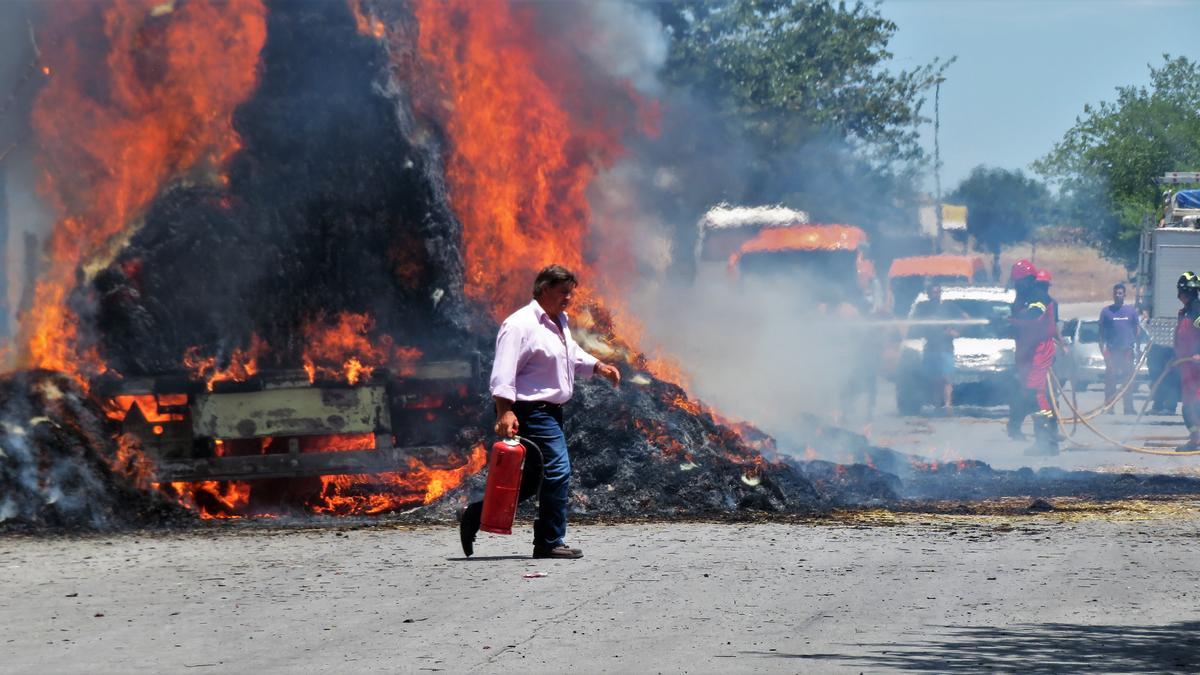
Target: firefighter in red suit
1022 277
1036 332
1187 346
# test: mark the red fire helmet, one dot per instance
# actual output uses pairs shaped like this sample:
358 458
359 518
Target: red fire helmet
1022 269
1043 275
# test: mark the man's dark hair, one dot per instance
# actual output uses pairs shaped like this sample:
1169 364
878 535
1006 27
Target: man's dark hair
1119 285
553 275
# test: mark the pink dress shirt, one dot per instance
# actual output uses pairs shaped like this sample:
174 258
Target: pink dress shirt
535 361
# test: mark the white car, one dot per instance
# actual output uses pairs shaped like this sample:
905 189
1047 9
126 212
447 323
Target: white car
1082 362
984 352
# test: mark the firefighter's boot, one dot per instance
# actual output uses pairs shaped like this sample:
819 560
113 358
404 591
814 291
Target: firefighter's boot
1193 442
1045 434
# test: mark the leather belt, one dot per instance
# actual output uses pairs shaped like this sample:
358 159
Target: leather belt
537 405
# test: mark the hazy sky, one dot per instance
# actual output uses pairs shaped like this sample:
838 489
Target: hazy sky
1026 69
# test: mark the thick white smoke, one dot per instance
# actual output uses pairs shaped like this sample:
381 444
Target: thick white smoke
22 211
626 40
754 349
765 351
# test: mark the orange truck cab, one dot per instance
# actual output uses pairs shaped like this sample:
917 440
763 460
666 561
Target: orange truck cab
907 277
832 254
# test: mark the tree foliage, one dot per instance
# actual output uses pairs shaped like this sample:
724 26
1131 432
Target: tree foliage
1002 206
786 71
805 89
1104 165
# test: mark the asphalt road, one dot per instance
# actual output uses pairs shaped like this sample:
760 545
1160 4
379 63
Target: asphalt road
1048 593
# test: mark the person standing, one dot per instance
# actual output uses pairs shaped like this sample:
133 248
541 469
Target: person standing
1037 341
1187 354
937 358
1021 277
533 375
1118 336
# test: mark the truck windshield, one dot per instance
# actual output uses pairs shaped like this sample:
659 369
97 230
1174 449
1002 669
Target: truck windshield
832 267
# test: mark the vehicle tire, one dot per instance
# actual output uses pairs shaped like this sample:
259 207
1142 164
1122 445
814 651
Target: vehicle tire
908 397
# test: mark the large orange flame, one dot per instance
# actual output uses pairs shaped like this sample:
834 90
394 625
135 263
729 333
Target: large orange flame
521 162
343 349
530 130
243 363
140 92
420 484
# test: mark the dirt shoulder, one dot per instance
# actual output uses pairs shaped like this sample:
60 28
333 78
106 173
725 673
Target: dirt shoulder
1080 274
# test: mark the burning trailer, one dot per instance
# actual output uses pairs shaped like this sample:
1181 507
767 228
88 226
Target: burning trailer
279 424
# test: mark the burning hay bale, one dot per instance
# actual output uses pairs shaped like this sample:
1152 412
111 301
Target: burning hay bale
353 219
57 462
349 216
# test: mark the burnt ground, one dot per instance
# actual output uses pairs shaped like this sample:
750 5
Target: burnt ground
57 450
1104 589
59 464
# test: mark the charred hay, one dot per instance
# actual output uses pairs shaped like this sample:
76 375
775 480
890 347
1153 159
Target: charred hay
56 456
686 464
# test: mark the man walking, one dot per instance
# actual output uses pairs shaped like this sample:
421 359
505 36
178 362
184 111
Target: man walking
537 362
1118 335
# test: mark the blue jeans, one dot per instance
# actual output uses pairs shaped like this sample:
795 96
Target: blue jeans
542 423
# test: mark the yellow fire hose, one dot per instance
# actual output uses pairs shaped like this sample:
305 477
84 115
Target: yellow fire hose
1117 397
1053 384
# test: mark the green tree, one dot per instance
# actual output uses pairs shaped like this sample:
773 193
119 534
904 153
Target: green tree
786 71
807 108
1002 207
1104 165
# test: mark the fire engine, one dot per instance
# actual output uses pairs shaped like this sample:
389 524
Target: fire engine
1170 246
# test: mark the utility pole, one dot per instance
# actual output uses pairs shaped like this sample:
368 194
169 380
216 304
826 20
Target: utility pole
937 163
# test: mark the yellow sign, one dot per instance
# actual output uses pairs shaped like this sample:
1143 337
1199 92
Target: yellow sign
954 217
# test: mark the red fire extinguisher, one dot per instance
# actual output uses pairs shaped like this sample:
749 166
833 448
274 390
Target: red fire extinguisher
503 486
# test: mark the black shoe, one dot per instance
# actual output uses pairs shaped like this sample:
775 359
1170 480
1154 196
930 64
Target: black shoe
1017 435
468 526
561 551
